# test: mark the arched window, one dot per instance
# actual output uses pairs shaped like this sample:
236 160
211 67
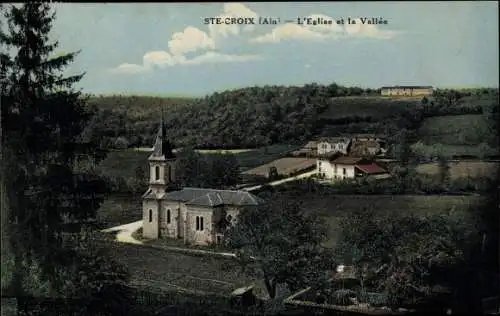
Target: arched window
150 216
168 217
199 223
157 173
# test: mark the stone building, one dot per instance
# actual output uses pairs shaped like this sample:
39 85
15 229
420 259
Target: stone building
407 91
195 215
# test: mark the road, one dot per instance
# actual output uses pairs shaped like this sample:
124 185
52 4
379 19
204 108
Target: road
125 232
278 182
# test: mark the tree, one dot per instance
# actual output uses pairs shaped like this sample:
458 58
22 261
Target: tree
42 119
220 171
279 242
412 259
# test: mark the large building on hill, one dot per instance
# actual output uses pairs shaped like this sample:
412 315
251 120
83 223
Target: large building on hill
195 215
407 91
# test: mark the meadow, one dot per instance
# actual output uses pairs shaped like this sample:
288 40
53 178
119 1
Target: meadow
455 130
333 207
285 166
119 209
181 272
463 169
125 163
375 107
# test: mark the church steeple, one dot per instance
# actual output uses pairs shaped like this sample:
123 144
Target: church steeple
162 162
162 148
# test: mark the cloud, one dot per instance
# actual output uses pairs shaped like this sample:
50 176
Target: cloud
192 40
232 10
214 57
321 31
368 31
129 69
161 59
288 31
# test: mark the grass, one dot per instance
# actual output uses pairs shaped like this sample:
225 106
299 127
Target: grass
118 210
254 158
456 130
375 107
455 150
176 271
332 208
284 166
124 163
463 169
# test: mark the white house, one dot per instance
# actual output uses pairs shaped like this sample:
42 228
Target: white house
196 215
334 145
345 167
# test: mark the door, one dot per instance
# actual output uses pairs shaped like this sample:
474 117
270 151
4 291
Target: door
162 223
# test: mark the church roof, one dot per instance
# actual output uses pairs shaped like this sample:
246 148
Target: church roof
208 197
162 148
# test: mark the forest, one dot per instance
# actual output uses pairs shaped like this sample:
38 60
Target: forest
259 116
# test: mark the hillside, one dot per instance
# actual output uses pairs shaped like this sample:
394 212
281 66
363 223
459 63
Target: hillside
250 117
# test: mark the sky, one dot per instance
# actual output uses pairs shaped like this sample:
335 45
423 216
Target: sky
168 49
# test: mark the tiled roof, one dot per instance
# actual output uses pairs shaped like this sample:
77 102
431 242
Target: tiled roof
371 168
212 197
335 139
347 160
407 87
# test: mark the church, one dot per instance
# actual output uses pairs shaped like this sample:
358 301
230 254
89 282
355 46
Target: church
196 215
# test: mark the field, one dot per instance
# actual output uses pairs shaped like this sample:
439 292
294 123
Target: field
123 163
249 159
463 169
175 271
285 166
375 107
455 130
118 210
333 207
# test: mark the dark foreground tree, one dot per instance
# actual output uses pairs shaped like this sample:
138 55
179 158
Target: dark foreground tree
415 261
220 171
282 244
51 198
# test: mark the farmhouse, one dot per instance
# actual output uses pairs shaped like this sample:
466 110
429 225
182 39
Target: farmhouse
345 167
406 91
196 215
333 145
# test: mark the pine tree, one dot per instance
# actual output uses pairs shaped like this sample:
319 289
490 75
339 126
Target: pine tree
42 118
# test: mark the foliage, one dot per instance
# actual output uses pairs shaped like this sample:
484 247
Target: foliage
42 119
454 130
409 258
249 117
281 243
220 171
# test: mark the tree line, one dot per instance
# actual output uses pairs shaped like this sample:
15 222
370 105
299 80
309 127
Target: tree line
243 118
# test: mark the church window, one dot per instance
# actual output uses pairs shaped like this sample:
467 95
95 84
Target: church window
157 173
168 217
199 223
170 173
150 216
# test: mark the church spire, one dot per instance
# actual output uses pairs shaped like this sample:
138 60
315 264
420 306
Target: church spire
162 147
